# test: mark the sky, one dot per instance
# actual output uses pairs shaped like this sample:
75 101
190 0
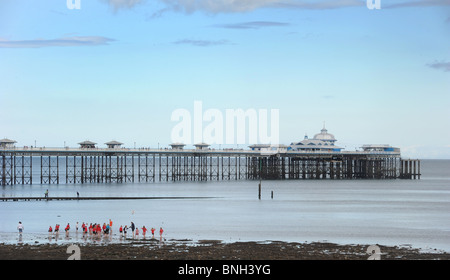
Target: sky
118 69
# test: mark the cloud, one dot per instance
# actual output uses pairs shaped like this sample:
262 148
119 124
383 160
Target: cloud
419 3
328 96
252 25
74 41
120 4
236 6
321 4
216 6
201 43
445 66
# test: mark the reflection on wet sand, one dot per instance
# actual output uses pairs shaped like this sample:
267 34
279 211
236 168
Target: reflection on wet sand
77 237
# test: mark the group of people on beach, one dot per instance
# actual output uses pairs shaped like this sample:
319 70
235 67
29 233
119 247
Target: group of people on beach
56 230
135 231
95 230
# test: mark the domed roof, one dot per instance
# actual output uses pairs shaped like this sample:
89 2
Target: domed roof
324 135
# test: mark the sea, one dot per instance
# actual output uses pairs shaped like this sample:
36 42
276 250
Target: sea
394 212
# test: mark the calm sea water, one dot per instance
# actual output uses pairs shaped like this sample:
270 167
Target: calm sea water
387 212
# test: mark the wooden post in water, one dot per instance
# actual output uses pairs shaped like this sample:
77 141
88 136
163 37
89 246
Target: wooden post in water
57 170
41 170
260 178
411 171
418 169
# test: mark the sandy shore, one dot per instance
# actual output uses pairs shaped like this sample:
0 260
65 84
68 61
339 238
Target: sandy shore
211 250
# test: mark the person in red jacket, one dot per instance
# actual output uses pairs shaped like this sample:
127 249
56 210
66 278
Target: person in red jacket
67 229
144 230
85 230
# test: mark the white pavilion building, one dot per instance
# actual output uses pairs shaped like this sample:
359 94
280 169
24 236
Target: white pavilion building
322 141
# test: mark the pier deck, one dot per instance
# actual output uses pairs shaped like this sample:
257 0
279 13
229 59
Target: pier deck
96 165
35 198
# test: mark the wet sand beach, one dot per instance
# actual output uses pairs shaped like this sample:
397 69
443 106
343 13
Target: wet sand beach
213 250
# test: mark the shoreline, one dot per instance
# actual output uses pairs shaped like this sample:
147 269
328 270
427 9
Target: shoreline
187 249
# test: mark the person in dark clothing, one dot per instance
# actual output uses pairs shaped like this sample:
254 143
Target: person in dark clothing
132 228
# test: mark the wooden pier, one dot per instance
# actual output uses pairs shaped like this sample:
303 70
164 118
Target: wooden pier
55 198
80 166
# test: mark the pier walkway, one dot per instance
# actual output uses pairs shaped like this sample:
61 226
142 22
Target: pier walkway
26 166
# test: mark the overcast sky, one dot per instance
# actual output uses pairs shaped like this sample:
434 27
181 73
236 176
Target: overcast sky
118 69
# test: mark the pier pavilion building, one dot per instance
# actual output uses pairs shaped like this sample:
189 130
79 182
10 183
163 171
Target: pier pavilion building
7 143
322 141
113 144
87 144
